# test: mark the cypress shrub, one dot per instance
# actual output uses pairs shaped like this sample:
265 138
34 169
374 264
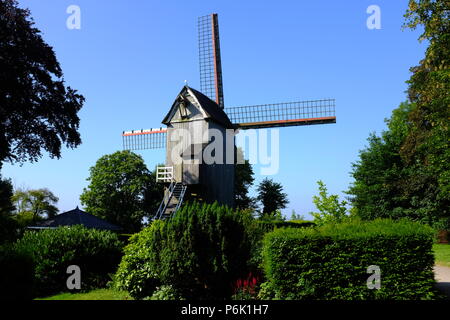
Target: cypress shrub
331 262
200 252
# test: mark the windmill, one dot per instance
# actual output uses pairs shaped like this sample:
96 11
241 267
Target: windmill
196 112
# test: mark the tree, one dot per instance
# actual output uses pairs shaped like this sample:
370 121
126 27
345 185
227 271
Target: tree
427 144
119 189
296 216
8 225
34 205
243 182
271 196
406 171
329 206
37 111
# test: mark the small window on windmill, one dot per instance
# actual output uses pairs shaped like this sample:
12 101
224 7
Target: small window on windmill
183 109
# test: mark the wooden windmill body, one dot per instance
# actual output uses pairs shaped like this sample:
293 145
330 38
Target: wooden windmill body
198 115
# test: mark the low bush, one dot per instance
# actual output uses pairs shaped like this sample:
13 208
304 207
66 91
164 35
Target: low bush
331 262
97 253
137 272
200 252
16 275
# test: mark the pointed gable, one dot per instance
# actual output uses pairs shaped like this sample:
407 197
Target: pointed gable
191 103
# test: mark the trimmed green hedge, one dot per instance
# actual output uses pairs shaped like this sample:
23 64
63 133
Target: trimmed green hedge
16 275
97 253
331 262
268 226
199 253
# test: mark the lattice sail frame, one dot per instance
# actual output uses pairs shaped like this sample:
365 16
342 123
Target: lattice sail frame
211 83
283 114
144 139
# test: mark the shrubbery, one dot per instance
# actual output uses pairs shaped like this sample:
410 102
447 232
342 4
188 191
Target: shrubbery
331 262
16 275
199 253
97 253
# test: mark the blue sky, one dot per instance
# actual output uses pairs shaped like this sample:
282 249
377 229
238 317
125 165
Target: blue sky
130 60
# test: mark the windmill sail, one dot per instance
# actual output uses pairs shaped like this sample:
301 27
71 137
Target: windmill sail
144 139
283 114
209 57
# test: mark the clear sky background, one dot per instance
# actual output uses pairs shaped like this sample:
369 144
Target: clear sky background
130 60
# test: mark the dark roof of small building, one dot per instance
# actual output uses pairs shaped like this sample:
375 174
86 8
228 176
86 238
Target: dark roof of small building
76 217
212 109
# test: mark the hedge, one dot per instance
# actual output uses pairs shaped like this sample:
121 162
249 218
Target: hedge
97 253
16 275
268 226
199 253
331 262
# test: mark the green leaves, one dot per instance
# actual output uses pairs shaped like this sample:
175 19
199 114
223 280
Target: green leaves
122 190
199 253
331 262
271 196
330 209
37 111
97 253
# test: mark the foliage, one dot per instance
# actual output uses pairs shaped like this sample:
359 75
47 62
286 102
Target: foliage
199 252
243 182
297 216
406 171
119 190
137 272
165 293
33 205
16 275
331 262
246 288
8 225
330 209
37 111
271 196
97 253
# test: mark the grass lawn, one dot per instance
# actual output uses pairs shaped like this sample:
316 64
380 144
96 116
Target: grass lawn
99 294
442 254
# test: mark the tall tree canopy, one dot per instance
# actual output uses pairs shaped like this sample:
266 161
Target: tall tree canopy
272 197
406 171
243 182
37 111
119 191
34 205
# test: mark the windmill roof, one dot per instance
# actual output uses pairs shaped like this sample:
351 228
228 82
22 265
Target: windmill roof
76 217
211 108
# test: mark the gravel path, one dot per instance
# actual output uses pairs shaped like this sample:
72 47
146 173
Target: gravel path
442 276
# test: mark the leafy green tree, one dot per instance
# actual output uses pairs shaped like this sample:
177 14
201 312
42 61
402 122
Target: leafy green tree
296 216
406 171
330 208
8 225
271 196
427 144
37 111
118 190
244 177
34 205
